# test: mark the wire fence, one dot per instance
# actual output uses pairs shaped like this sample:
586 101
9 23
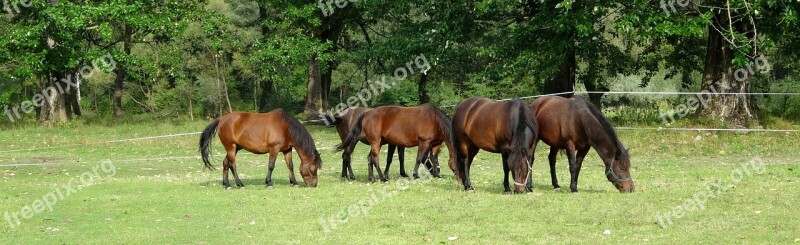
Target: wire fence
506 99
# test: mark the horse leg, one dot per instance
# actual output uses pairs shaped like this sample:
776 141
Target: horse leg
552 158
345 158
578 163
401 153
531 159
389 160
346 168
225 167
371 167
433 161
422 155
471 156
506 185
573 168
232 159
375 155
287 156
272 157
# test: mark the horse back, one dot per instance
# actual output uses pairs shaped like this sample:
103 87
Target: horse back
258 133
348 120
560 121
484 123
402 126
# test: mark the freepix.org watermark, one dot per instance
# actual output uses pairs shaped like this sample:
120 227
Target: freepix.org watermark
47 202
327 6
71 81
759 66
13 7
669 5
377 87
373 198
697 202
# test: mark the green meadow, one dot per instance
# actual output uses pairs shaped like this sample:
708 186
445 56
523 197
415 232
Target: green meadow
76 184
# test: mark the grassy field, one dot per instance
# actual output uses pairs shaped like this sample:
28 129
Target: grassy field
156 191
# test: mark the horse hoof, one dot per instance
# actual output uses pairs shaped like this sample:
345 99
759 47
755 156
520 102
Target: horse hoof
404 175
228 188
242 187
557 189
507 193
269 187
296 186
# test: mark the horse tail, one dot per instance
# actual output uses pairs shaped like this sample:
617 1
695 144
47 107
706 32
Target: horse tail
352 137
455 141
205 142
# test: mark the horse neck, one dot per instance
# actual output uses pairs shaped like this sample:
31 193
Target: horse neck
300 151
448 139
605 145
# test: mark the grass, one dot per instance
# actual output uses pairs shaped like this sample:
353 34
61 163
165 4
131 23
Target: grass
176 201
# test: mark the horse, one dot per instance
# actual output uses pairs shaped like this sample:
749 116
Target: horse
505 127
344 122
575 125
261 133
424 126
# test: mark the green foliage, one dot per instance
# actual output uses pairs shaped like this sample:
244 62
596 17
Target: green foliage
496 49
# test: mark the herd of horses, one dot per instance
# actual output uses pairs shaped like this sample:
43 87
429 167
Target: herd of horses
510 128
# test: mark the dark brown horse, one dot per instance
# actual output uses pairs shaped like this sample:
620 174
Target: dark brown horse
345 121
261 133
575 125
499 127
424 126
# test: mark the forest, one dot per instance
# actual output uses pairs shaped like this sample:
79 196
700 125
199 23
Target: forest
124 60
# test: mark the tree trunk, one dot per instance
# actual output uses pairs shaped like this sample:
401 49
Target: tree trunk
53 109
327 80
422 89
314 91
592 84
267 86
71 96
564 81
720 76
122 73
267 91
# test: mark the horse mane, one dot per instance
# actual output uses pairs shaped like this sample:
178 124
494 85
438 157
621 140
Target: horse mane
604 123
443 120
300 136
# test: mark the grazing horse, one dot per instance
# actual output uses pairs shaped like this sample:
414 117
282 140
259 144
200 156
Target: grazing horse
345 121
575 125
424 126
500 127
261 133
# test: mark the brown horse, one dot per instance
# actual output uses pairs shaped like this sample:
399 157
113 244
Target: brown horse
261 133
576 126
424 126
345 121
499 127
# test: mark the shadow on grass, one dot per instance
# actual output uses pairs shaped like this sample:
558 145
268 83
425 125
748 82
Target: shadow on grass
251 182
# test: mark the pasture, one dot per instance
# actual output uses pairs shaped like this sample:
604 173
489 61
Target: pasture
159 192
